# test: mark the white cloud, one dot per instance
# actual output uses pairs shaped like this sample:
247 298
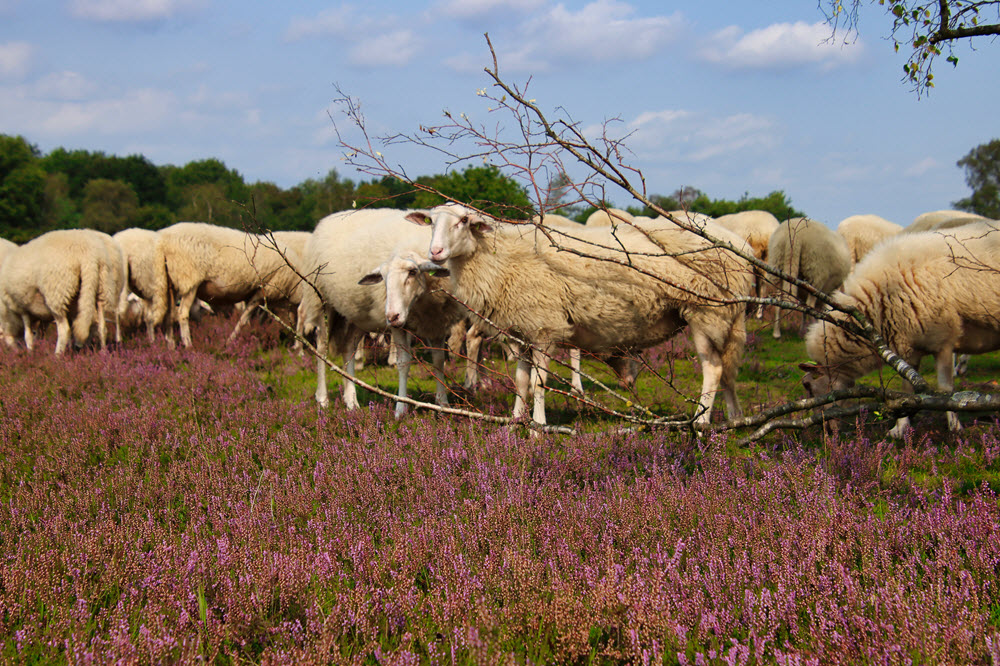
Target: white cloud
15 59
341 21
601 31
65 86
392 48
689 137
780 45
131 11
466 9
922 167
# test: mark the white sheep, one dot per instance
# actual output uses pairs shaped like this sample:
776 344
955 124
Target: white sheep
607 217
63 273
146 271
756 227
348 254
935 218
548 295
926 293
863 232
810 251
223 265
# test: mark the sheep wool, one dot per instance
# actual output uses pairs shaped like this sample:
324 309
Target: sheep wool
926 293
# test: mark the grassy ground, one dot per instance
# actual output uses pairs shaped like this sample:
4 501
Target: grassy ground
182 506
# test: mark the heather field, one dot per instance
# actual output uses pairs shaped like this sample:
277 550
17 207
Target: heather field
162 506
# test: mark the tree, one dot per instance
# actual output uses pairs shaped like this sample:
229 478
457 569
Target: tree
109 205
481 186
924 28
982 173
22 187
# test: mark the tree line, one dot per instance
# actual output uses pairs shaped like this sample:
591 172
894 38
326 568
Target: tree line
91 189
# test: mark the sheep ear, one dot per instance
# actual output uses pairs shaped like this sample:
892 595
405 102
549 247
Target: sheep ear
434 270
375 277
418 217
481 227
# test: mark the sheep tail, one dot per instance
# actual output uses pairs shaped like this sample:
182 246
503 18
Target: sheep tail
86 307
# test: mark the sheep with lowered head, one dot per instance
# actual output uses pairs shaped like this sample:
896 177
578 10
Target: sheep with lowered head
146 271
927 293
756 226
223 265
599 302
347 258
810 251
61 274
863 232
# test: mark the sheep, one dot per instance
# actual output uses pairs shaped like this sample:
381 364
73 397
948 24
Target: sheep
547 295
146 271
935 219
863 232
756 227
927 293
607 217
339 261
223 265
63 273
810 251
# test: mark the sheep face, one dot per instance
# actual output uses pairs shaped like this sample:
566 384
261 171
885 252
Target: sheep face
820 380
405 278
454 230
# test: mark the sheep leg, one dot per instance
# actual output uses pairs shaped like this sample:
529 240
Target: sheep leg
29 335
522 380
438 356
251 305
322 344
946 382
574 362
473 348
776 333
63 333
351 339
711 373
903 423
400 340
540 361
184 316
102 326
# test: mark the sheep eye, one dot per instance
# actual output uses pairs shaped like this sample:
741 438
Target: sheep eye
412 272
464 220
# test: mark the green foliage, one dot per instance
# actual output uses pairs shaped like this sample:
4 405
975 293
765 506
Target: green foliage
82 166
22 185
688 198
982 174
483 187
109 205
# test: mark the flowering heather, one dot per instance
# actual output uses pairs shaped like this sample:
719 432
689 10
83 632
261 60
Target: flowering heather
162 506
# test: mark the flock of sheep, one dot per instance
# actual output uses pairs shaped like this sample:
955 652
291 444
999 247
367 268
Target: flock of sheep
613 286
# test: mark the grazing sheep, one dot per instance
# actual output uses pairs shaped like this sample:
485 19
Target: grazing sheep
927 293
548 296
810 251
610 217
756 227
340 262
63 273
934 220
223 265
146 271
863 232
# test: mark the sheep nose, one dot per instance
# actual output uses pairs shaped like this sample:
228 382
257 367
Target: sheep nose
437 254
395 319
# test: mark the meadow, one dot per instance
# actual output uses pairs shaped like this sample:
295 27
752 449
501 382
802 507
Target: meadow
179 506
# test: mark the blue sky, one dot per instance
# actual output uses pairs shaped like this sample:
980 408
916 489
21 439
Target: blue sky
729 97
